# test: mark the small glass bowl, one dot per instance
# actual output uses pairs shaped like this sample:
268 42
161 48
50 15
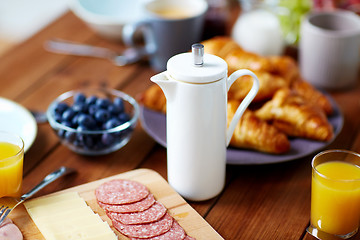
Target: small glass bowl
97 141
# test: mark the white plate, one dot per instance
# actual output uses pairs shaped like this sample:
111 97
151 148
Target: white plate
17 119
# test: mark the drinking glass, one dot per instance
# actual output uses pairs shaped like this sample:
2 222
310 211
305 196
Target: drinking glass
335 195
11 164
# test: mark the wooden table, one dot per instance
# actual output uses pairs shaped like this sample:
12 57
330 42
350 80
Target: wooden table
258 202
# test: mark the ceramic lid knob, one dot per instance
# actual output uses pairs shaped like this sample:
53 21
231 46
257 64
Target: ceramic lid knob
196 66
198 53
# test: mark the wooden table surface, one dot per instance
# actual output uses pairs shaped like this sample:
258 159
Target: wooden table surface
258 202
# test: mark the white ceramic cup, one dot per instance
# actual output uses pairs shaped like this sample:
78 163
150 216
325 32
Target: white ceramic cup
329 52
169 27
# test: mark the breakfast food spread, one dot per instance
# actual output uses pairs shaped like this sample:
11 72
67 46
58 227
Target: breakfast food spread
286 105
135 213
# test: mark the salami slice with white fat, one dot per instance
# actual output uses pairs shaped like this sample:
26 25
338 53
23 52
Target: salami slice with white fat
176 232
147 230
138 206
121 191
152 214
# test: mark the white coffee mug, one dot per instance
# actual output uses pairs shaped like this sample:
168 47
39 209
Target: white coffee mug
329 51
169 27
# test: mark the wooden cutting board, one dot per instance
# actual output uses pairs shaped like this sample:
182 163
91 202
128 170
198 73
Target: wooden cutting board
193 224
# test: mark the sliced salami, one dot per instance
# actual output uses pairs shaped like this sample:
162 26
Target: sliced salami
121 191
146 230
138 206
152 214
176 232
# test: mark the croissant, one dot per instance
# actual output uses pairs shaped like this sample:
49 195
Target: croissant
268 85
235 56
254 133
154 98
285 67
220 46
311 95
239 59
290 113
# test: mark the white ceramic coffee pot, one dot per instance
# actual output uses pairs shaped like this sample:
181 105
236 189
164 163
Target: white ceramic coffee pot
195 86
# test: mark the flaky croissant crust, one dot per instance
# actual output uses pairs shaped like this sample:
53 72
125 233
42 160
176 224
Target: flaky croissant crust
290 113
253 133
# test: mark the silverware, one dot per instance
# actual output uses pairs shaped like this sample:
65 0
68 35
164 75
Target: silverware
128 56
7 204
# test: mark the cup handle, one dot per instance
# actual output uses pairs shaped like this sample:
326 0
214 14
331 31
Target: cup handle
245 102
128 33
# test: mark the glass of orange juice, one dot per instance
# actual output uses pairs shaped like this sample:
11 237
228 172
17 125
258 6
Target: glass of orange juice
335 195
11 164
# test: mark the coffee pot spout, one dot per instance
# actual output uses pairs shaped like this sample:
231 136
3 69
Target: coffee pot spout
167 85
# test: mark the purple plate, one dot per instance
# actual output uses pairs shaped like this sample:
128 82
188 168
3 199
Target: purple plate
154 123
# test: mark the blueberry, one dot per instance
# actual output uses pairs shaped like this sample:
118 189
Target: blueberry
80 107
89 141
67 124
91 100
103 102
68 114
70 136
123 117
58 117
61 133
107 139
81 128
86 120
119 102
114 109
79 98
102 115
74 120
92 109
111 123
60 107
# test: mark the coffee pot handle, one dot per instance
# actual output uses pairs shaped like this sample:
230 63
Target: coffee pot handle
128 35
245 102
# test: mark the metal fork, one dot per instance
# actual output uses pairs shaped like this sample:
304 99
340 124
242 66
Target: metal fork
128 56
7 204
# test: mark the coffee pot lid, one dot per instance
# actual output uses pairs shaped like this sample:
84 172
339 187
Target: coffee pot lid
196 67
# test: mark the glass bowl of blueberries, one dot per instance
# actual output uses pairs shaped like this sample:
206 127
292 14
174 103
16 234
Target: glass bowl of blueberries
93 121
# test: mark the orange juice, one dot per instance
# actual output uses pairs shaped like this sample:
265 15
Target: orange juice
11 169
335 197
